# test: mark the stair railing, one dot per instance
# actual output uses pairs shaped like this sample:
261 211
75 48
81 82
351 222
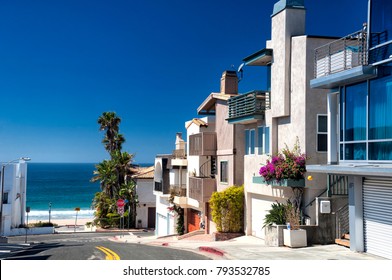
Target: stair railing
342 221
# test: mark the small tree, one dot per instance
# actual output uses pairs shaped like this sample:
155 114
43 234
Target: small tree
228 209
293 216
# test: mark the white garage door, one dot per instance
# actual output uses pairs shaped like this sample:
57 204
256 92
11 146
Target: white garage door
260 208
377 212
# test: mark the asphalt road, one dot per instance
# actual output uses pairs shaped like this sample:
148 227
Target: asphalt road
87 246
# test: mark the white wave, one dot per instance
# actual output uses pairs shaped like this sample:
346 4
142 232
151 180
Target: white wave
60 215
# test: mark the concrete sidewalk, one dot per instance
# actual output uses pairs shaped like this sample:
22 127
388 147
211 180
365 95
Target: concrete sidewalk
246 248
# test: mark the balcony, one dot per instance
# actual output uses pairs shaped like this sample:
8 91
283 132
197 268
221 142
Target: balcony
178 190
201 189
179 158
248 107
202 144
343 61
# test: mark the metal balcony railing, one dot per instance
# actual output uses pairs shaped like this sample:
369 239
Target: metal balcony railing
247 104
340 55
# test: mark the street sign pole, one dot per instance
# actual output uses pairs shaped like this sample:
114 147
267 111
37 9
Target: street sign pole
77 209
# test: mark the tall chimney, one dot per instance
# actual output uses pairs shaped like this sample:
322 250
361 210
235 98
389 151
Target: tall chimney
180 143
229 82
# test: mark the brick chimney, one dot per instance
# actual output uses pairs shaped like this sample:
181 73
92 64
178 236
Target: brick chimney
229 82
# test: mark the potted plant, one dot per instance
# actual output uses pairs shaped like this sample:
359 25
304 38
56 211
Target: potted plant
293 236
274 223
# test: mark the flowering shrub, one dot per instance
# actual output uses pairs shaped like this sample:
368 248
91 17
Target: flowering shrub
289 164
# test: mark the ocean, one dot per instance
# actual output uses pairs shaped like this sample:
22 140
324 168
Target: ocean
64 186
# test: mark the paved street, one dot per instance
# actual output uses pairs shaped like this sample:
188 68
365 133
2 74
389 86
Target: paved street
139 244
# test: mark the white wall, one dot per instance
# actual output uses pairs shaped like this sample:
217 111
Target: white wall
145 192
15 185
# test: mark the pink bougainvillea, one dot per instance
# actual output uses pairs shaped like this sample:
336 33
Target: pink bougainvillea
289 164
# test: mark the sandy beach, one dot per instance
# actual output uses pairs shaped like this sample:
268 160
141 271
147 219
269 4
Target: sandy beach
65 222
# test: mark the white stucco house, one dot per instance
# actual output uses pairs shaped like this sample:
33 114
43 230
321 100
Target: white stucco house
145 212
13 200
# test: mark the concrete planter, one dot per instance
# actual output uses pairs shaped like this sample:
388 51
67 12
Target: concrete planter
295 238
274 235
31 231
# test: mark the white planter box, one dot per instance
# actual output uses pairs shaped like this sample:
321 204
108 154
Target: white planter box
294 238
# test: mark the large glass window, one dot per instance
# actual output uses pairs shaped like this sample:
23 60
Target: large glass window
380 30
366 119
355 112
380 109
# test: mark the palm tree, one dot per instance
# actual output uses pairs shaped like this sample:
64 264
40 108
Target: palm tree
110 122
124 166
114 174
107 175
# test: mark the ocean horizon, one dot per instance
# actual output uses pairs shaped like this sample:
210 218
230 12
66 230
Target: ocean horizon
60 188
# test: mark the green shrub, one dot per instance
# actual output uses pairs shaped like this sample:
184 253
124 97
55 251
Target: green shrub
227 209
43 224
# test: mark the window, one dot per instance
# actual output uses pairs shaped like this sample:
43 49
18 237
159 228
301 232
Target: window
322 133
263 140
5 198
381 30
224 172
250 142
366 122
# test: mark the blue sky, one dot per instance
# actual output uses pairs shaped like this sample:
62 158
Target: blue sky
64 62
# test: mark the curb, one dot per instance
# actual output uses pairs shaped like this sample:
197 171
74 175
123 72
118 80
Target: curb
212 250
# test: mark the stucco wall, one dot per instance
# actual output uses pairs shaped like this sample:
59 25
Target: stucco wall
288 23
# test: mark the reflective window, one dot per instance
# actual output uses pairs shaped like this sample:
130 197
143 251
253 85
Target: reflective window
322 133
380 30
355 112
380 150
380 109
366 119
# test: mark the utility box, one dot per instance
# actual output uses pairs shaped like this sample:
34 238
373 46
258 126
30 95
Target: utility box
325 206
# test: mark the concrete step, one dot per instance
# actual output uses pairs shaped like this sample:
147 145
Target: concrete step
343 242
346 236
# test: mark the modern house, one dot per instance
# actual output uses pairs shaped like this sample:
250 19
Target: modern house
170 176
275 117
356 72
215 150
146 210
13 196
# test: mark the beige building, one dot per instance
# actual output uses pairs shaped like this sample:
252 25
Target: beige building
215 151
284 112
